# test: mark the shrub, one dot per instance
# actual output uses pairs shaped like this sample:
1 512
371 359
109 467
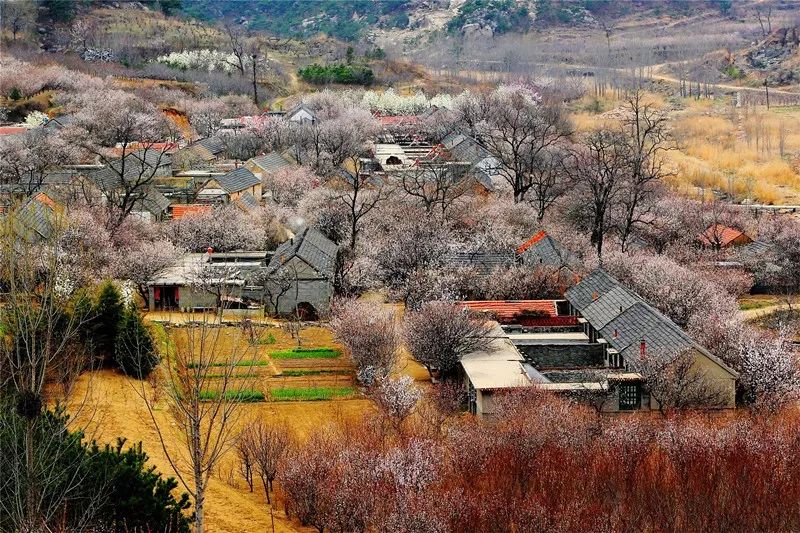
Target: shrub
135 352
337 73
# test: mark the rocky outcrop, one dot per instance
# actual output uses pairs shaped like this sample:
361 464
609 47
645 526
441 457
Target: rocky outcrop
778 56
476 31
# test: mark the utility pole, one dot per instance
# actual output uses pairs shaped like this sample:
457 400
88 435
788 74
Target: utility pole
766 89
255 82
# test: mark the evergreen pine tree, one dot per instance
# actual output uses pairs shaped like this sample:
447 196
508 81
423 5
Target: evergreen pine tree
108 313
135 350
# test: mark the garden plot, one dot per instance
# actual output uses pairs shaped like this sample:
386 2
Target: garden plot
268 365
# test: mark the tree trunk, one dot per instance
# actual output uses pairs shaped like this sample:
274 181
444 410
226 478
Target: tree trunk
31 495
255 83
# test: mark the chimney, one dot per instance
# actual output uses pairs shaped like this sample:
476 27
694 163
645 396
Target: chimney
595 296
642 349
616 333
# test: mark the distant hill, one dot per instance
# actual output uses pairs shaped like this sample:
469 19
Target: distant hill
346 20
351 20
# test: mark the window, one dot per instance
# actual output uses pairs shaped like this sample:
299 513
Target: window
630 396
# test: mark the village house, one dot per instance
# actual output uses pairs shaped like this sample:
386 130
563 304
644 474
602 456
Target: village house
266 166
466 149
203 281
588 346
137 180
296 278
199 154
300 114
719 236
230 186
299 278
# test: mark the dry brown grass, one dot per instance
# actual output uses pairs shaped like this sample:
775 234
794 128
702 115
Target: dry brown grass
118 411
737 151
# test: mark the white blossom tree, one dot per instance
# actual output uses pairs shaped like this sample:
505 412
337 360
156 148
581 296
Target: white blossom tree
770 372
439 334
369 332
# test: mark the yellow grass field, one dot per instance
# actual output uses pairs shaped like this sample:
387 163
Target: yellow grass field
752 154
112 407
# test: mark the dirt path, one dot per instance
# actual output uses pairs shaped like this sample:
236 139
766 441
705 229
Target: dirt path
753 314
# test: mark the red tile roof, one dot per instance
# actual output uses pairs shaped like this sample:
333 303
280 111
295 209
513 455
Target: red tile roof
398 120
11 130
181 210
530 242
720 235
508 310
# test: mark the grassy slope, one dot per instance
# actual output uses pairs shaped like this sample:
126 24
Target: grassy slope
113 408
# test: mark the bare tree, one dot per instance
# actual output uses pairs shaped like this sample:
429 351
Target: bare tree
40 355
202 394
17 16
361 192
268 444
647 133
517 126
768 16
437 185
276 285
601 165
245 456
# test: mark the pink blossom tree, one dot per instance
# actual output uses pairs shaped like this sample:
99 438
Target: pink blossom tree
127 136
369 332
770 372
439 334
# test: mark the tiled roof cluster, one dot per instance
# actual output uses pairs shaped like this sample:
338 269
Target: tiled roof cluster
312 247
626 321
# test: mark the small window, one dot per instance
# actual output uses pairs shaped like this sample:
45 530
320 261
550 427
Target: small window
630 396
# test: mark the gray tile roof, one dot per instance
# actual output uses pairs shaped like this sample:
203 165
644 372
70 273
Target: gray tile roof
608 306
483 262
590 288
153 157
59 122
213 144
624 319
272 162
469 150
237 180
137 167
34 220
311 246
154 202
548 252
248 202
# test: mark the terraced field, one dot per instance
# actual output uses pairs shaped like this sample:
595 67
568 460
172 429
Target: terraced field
276 369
